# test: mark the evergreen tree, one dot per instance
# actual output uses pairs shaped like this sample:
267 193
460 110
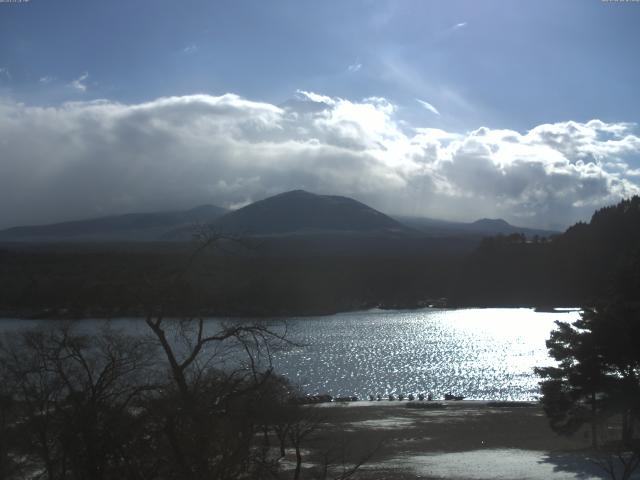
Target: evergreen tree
573 392
597 379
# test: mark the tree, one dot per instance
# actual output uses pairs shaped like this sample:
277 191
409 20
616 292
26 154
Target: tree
74 396
209 408
8 464
597 380
572 391
209 414
192 399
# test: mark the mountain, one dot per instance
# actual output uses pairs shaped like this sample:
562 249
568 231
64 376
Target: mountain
480 228
299 211
129 227
322 222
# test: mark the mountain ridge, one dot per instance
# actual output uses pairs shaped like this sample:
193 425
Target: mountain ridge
128 226
300 211
295 212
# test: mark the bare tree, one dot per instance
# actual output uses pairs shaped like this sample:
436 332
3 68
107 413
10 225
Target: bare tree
193 399
75 393
219 374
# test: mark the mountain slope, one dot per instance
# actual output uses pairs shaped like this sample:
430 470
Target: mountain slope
128 227
299 211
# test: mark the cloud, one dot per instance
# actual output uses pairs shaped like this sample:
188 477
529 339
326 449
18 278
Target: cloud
315 97
428 106
457 26
46 79
5 74
83 159
80 82
353 68
190 49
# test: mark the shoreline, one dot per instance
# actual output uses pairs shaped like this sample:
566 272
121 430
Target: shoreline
434 404
103 314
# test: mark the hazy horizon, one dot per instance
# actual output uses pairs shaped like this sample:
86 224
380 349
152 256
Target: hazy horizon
457 111
399 216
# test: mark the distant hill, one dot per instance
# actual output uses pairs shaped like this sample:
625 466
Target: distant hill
481 228
133 227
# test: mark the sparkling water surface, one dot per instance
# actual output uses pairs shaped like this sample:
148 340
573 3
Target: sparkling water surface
486 354
479 353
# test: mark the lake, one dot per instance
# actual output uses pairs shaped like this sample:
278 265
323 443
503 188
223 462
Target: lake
484 354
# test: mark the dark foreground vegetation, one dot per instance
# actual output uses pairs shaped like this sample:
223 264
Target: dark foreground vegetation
597 383
104 405
181 400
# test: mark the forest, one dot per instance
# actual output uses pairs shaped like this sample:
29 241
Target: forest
588 262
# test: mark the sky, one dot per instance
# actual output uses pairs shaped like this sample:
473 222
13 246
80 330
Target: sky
526 111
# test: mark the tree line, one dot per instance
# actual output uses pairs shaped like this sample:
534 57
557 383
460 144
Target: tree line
596 382
52 281
590 261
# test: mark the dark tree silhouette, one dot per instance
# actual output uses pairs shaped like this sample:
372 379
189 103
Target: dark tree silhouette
74 396
191 399
572 391
597 382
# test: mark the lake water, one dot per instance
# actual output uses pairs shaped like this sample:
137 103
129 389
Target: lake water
479 353
486 354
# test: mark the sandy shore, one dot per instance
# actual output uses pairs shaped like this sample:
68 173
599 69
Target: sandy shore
458 440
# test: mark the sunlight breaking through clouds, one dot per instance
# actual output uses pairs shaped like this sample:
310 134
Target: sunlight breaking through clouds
87 158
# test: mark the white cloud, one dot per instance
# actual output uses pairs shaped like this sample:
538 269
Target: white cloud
80 82
354 67
428 106
314 97
190 49
89 158
4 73
46 79
459 25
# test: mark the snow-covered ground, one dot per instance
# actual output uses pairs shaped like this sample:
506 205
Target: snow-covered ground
500 464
